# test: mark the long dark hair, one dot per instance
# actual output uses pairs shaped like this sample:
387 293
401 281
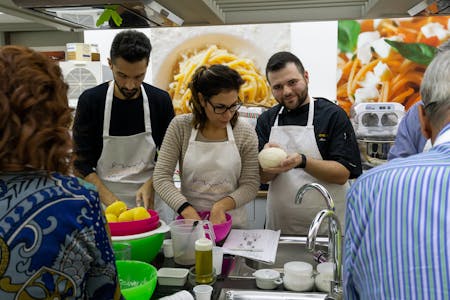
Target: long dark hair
211 81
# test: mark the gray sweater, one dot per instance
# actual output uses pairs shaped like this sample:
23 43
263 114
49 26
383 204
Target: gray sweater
173 149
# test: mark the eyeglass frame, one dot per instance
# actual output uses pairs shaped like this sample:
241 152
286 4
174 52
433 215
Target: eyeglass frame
238 105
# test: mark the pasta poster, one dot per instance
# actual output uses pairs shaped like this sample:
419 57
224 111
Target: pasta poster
350 61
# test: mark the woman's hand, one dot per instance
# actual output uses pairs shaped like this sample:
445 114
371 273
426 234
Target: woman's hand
217 213
190 213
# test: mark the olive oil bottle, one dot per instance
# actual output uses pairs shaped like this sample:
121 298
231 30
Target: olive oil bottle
203 261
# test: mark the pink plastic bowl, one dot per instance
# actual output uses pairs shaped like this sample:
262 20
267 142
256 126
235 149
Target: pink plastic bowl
220 230
135 227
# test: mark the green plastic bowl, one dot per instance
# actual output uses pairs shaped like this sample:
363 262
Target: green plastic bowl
144 246
137 279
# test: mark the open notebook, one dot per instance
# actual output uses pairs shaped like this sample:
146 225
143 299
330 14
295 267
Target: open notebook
257 244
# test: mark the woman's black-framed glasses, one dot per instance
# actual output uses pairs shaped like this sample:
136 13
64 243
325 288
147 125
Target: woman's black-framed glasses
221 109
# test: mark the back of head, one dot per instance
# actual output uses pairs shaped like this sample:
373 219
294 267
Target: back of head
435 90
131 45
211 81
34 112
280 59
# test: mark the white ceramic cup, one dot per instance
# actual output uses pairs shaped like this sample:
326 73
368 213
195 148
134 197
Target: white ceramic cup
203 292
298 276
217 254
267 279
168 248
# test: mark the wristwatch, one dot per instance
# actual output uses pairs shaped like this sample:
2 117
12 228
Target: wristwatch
302 165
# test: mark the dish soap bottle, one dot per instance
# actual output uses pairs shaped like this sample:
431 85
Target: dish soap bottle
203 261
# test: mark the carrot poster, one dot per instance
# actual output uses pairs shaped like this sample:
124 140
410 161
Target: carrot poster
383 60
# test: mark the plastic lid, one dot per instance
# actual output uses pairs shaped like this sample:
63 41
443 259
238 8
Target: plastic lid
298 267
203 244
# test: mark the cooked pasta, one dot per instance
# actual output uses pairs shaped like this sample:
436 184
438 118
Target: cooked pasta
254 92
399 81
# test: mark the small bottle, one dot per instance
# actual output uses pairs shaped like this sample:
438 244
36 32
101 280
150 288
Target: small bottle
203 261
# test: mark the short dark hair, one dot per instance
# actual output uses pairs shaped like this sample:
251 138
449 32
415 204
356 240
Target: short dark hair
131 45
280 59
211 81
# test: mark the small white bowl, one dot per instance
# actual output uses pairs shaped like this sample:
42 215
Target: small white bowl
267 279
172 276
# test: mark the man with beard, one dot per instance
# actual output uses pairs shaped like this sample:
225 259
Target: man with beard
320 142
119 125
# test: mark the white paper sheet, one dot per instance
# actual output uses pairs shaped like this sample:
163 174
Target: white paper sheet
257 244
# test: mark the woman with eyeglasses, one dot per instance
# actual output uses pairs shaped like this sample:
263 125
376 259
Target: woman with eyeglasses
216 151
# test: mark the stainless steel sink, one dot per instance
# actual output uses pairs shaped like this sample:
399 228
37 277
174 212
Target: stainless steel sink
235 294
290 248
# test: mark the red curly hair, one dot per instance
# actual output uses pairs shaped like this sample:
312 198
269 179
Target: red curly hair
34 113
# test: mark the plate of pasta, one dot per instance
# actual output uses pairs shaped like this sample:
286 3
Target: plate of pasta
384 60
176 69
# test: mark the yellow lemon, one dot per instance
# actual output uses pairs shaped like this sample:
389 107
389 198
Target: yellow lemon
126 216
111 218
116 208
140 213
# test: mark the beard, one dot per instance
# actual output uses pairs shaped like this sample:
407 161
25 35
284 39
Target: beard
127 93
301 98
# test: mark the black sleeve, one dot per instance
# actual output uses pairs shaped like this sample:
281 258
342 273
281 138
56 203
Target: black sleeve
342 145
264 125
161 112
87 130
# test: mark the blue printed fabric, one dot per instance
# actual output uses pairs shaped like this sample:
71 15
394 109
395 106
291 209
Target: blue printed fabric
54 243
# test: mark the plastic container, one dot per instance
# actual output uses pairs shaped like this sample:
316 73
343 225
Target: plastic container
135 227
298 276
137 279
144 246
220 230
172 276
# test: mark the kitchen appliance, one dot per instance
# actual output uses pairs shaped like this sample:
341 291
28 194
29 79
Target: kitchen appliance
375 125
83 14
80 76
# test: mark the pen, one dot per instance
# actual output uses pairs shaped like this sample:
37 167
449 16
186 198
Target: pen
246 249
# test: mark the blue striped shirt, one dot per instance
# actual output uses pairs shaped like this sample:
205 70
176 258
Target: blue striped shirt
397 238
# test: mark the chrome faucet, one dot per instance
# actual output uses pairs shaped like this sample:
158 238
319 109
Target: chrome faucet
328 200
335 240
303 189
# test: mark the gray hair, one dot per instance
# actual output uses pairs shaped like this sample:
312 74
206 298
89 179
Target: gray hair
435 89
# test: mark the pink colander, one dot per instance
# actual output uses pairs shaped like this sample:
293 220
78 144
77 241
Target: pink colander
220 230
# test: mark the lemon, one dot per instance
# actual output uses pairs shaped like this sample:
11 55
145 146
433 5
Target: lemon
140 213
116 208
126 216
111 218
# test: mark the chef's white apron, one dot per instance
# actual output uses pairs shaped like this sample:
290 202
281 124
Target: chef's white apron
281 211
126 162
211 171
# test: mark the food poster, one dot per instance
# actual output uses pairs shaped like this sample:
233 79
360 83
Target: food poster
384 60
245 48
367 68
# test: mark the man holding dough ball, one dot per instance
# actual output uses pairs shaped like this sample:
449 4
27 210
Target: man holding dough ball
319 144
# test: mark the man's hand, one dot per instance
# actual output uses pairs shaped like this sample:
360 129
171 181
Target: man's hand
146 195
290 162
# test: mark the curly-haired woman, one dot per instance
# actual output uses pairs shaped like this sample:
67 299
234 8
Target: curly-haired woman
53 238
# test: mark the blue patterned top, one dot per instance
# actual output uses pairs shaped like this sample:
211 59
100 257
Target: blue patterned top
397 238
53 239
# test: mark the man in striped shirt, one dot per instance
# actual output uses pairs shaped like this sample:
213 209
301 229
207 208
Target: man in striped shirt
397 238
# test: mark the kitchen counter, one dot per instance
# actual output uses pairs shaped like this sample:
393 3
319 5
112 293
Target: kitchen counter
221 282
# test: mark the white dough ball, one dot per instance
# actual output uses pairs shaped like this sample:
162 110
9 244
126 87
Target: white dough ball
271 157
